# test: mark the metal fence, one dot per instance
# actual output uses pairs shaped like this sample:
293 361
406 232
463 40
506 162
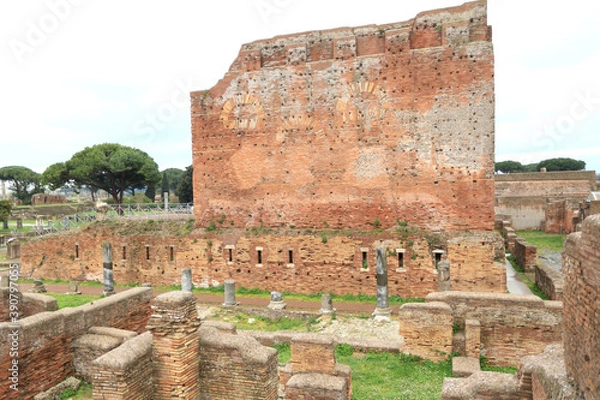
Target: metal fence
116 211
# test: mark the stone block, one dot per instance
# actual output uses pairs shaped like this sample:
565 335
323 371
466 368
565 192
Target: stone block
465 366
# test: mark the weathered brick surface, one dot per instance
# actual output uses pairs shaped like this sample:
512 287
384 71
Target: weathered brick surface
353 125
550 281
330 264
314 372
482 385
511 326
542 200
525 254
544 376
125 373
427 329
44 340
235 367
173 325
581 269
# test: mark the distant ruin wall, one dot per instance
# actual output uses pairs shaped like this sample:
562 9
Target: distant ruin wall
511 326
320 260
581 269
543 200
351 126
44 340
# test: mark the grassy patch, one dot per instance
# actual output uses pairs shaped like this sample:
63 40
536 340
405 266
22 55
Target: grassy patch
247 321
284 353
71 300
84 392
347 298
543 240
387 376
483 363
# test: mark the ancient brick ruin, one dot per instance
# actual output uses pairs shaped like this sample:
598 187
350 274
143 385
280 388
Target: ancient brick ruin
568 369
317 148
549 201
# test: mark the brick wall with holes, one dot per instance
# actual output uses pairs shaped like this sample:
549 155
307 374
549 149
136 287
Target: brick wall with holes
353 127
292 260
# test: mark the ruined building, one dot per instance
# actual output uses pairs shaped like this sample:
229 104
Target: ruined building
316 148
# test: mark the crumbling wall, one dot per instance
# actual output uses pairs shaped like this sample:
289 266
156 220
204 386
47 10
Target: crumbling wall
351 126
426 329
511 326
581 269
550 281
126 372
235 367
44 340
322 260
525 254
543 200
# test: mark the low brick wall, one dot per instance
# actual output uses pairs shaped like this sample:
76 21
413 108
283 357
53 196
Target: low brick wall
235 367
125 372
550 281
511 326
427 329
44 340
25 304
525 254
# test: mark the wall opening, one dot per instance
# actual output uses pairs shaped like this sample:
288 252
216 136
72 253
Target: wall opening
230 255
290 256
259 256
437 257
147 253
76 251
124 252
364 264
171 253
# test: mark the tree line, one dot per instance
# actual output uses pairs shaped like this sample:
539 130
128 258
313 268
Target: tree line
116 169
552 164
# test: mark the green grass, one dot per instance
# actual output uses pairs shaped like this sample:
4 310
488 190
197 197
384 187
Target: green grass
284 352
316 297
84 392
387 376
543 240
72 300
242 321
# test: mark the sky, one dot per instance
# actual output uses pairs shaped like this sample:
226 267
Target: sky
76 73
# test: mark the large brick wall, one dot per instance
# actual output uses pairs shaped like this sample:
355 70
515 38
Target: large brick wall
350 126
321 260
543 200
581 269
44 340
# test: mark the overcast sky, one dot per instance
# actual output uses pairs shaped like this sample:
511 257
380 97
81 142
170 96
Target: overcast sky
79 72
